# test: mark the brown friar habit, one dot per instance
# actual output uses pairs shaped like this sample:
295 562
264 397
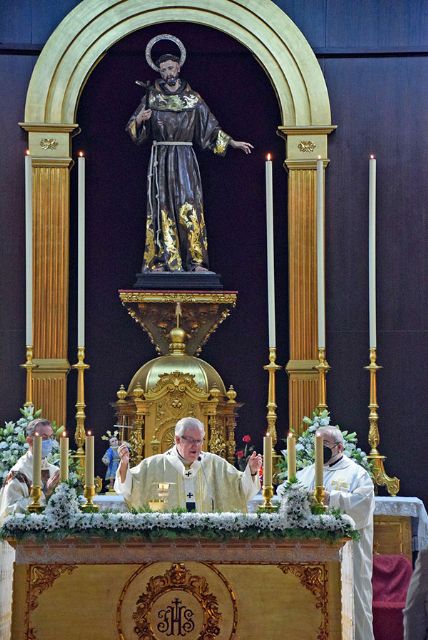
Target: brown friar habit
176 237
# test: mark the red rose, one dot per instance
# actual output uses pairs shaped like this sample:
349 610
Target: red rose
246 439
239 454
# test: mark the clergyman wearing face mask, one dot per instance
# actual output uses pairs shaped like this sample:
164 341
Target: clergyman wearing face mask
15 493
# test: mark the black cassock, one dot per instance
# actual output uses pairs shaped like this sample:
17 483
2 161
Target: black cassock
176 237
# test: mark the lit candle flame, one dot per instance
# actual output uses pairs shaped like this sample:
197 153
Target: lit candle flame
89 433
371 156
81 154
269 157
27 152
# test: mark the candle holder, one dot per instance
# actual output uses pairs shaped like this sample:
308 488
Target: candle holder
272 369
323 368
29 366
35 495
79 436
380 478
89 506
267 505
318 507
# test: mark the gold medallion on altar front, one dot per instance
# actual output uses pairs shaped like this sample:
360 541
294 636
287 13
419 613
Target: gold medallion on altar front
165 600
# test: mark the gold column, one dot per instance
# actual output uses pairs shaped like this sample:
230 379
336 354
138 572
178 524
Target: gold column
304 145
50 150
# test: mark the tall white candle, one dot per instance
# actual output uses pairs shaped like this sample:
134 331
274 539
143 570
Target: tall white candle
64 444
291 456
320 254
28 250
372 251
81 252
37 460
89 460
270 252
319 461
267 460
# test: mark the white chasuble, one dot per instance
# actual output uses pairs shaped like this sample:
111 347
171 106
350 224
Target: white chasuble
210 482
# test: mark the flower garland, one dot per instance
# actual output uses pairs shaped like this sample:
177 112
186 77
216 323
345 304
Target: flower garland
305 445
63 517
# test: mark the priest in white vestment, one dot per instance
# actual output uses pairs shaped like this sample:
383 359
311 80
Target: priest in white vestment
350 488
200 481
15 498
15 493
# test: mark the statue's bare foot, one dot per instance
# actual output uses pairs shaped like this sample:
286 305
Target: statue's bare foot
199 268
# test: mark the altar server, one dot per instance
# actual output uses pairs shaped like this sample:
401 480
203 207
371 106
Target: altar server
15 493
199 480
350 488
416 611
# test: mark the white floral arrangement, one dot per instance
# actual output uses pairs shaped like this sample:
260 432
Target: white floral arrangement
63 517
13 443
305 444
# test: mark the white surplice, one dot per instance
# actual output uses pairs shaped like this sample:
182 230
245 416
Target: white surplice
211 482
351 490
14 498
15 494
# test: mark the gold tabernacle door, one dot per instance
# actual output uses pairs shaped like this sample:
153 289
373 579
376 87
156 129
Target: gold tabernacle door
191 589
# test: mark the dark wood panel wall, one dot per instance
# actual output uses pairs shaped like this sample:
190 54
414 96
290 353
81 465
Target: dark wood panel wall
376 68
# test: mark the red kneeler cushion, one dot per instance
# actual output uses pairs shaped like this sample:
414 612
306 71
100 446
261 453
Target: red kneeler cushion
391 577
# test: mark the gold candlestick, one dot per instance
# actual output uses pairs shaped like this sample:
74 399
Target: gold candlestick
29 366
89 506
323 368
380 478
272 368
35 495
319 497
79 436
267 492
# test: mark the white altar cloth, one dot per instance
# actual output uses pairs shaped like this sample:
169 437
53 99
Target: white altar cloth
410 507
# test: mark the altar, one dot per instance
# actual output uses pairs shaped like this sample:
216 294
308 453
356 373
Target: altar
182 588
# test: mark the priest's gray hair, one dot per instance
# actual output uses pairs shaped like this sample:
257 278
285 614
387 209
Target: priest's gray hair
185 424
333 432
32 426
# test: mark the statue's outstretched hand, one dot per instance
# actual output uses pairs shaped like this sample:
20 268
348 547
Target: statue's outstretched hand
243 146
255 462
143 115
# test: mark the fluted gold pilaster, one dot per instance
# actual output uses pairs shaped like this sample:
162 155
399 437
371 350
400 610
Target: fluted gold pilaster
304 145
51 186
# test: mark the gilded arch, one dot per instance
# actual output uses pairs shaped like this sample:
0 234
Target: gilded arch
87 33
64 65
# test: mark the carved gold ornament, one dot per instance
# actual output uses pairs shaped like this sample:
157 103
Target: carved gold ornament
306 146
314 577
166 610
49 144
39 579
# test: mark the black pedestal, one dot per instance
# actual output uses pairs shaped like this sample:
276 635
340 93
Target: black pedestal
179 280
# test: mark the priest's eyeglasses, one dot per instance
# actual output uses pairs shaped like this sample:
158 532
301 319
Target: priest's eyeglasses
191 440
